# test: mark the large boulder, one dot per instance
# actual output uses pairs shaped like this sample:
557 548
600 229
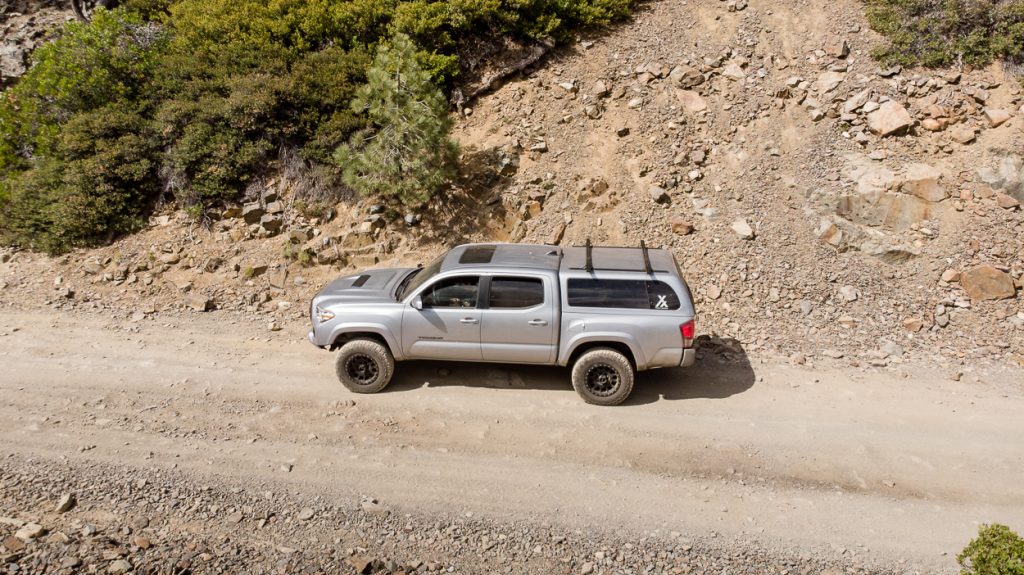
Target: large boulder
890 118
986 282
922 181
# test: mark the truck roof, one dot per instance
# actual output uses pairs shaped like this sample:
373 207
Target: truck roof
555 258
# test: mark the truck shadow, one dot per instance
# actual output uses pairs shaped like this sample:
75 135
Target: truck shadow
722 370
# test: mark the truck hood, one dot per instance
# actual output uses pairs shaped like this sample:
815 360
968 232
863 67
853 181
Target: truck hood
371 286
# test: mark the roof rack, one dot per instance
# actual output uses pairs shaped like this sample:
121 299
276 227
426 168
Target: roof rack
588 266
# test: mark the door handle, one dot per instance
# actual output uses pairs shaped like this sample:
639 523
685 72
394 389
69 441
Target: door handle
537 322
469 320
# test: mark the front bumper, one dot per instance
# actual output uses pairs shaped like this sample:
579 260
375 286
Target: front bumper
689 357
312 338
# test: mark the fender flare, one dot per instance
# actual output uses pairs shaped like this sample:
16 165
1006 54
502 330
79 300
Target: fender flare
374 328
599 337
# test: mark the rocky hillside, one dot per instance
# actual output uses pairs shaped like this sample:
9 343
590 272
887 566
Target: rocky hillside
24 25
823 209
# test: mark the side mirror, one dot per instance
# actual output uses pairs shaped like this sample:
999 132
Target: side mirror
417 302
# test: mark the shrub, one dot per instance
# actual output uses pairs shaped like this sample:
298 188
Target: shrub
78 157
995 551
938 33
407 155
198 97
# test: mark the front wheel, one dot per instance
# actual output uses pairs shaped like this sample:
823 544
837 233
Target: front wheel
603 376
364 366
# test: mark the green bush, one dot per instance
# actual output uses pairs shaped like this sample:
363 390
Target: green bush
407 155
198 97
79 159
937 33
996 551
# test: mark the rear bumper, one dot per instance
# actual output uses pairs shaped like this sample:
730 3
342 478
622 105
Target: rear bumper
689 357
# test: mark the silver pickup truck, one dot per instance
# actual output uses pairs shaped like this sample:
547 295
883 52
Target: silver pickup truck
606 311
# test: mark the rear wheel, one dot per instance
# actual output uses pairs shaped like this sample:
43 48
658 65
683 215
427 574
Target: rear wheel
603 376
364 366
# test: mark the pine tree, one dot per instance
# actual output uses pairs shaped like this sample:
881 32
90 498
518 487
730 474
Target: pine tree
407 154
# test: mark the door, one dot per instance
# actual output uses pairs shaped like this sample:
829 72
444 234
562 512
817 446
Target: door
448 326
519 320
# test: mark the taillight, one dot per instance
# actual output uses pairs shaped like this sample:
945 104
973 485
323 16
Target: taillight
686 330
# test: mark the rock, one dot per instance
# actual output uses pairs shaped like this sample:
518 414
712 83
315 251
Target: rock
913 324
635 103
272 223
362 565
686 76
66 503
601 89
713 291
306 514
412 220
932 125
1006 201
275 208
587 568
252 213
830 233
372 507
278 277
857 101
659 195
891 349
198 302
733 71
274 326
30 531
540 146
806 307
300 235
950 276
963 135
119 567
985 282
922 181
556 236
890 118
743 229
622 131
681 226
996 117
817 115
691 101
837 48
849 293
13 544
169 259
829 81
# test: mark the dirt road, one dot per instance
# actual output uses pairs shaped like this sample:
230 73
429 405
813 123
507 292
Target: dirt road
888 466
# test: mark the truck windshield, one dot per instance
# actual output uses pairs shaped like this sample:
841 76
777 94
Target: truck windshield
419 277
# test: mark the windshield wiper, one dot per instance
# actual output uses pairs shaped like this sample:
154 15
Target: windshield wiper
405 282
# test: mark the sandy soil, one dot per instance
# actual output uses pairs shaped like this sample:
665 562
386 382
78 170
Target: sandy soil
887 466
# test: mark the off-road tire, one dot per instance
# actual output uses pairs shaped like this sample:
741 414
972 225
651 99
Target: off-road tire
603 376
364 366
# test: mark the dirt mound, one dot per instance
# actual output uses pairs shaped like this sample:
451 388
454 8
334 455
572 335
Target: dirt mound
821 207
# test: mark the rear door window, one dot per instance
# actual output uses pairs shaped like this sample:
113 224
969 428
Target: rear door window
515 293
624 294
